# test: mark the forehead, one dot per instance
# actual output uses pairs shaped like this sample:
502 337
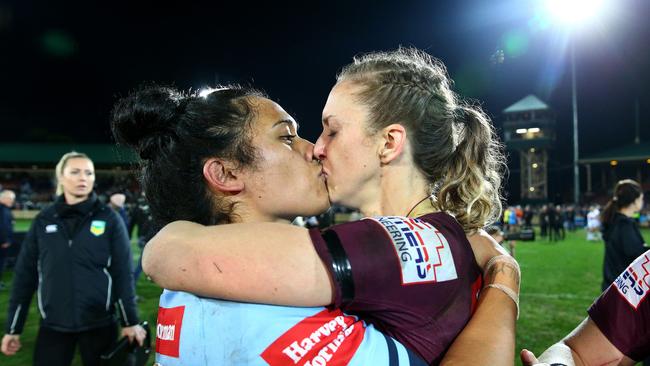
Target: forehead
268 113
78 163
343 103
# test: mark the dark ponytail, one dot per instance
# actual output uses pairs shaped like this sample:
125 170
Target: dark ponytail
626 192
174 133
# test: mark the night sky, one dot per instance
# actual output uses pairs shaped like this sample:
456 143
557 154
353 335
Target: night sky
64 64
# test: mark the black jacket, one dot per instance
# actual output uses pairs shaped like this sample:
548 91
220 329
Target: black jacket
78 259
6 225
623 244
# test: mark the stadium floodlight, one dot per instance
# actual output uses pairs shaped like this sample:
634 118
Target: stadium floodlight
571 14
574 12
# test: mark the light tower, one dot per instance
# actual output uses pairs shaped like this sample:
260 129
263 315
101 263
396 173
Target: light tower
529 129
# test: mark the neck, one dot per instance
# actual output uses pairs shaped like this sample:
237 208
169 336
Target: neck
628 211
72 199
401 188
244 213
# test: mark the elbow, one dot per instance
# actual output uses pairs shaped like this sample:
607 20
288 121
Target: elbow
159 256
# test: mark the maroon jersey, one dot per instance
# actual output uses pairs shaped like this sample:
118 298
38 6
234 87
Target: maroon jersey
415 279
622 312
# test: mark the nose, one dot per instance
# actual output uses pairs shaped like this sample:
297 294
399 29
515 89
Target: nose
308 150
319 148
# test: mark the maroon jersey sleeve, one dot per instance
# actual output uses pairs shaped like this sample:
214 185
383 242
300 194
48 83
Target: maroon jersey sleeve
414 279
622 312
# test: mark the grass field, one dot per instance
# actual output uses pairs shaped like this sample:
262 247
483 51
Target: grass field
560 280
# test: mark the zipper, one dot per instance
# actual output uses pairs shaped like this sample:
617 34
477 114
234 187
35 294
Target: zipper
40 290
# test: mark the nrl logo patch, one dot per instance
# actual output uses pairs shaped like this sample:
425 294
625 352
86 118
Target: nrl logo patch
634 283
423 252
97 227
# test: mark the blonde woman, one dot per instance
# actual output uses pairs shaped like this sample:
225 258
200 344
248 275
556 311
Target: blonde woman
77 257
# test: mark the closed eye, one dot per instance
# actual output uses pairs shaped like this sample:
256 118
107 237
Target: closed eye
288 139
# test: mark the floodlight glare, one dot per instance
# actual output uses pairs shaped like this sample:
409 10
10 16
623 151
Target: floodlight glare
573 12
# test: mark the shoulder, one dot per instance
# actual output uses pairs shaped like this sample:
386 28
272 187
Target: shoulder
48 212
484 247
102 210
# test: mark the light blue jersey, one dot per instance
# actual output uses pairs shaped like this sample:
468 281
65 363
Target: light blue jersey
192 330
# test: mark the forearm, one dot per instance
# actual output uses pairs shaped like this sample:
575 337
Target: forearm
490 334
265 262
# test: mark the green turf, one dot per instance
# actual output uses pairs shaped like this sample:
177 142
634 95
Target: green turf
22 224
560 281
147 291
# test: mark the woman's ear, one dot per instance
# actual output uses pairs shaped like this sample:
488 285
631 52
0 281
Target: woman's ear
222 176
394 142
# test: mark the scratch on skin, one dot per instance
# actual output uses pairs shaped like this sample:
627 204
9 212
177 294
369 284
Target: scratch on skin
218 269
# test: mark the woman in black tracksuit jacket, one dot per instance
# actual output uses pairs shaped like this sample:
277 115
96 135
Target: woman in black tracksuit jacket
77 257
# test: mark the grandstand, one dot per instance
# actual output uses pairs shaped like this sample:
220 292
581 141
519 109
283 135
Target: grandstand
606 167
28 169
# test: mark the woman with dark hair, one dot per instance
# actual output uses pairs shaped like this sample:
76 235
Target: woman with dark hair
623 240
77 258
237 154
396 141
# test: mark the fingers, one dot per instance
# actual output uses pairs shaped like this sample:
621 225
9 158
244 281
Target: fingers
10 346
136 333
528 358
140 337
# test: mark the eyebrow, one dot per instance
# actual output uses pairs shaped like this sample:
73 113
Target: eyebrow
287 121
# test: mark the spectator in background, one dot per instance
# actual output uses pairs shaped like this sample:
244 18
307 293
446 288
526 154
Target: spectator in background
593 224
142 218
560 221
519 214
77 257
7 199
528 217
553 218
543 221
571 218
623 240
116 202
507 213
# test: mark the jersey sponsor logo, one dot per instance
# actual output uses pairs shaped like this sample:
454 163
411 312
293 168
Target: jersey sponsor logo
52 228
326 338
634 283
423 252
97 227
168 330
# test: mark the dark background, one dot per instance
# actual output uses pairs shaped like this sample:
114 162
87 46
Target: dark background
64 64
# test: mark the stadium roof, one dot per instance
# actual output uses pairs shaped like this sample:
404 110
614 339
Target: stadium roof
640 151
35 153
529 103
